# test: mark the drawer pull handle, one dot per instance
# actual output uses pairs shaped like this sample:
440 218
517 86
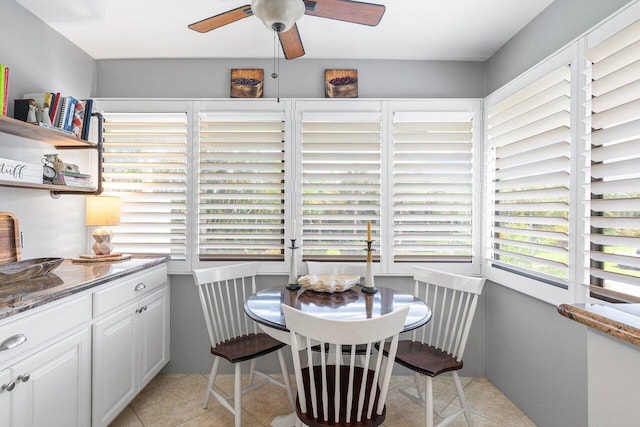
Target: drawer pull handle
140 286
13 342
9 387
24 378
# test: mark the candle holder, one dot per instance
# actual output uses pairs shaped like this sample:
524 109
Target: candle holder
293 268
369 287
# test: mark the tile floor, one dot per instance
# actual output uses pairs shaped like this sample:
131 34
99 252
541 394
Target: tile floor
176 400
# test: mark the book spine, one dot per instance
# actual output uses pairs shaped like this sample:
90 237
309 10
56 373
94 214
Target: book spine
54 107
3 89
71 110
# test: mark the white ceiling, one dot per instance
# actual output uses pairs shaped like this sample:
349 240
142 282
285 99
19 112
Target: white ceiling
410 29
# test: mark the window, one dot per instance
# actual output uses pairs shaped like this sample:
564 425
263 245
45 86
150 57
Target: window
432 186
341 183
615 164
241 186
145 163
528 170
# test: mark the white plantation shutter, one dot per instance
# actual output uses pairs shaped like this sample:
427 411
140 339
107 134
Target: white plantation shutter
615 162
341 183
528 179
145 164
241 186
432 186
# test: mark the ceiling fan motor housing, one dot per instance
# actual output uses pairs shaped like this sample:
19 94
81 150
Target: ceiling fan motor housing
278 15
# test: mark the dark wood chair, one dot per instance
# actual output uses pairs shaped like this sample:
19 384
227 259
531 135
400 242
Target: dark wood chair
333 394
234 337
438 346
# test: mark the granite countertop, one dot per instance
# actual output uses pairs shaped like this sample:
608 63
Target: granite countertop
619 320
67 279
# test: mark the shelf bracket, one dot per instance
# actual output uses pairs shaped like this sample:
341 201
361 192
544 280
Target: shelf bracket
99 147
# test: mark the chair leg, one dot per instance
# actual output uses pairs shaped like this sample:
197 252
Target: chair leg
237 398
428 404
252 371
463 401
212 380
285 378
416 377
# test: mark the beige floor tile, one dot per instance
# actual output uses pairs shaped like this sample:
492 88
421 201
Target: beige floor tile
487 401
176 400
220 417
127 418
267 402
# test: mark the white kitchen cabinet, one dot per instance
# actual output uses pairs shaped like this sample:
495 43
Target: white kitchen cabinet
46 380
130 341
5 397
52 387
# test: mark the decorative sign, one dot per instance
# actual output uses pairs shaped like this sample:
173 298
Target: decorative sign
340 83
11 170
247 82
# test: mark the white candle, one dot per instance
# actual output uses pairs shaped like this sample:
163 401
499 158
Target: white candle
293 229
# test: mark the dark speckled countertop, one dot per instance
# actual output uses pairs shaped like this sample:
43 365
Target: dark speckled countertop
619 320
67 279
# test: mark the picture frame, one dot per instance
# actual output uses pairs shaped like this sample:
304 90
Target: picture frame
247 83
341 83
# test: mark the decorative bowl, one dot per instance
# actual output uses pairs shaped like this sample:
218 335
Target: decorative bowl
328 282
27 269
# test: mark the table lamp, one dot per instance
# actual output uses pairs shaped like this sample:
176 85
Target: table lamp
102 211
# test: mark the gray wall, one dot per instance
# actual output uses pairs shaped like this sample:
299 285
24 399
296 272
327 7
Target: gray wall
41 60
536 357
190 343
300 78
560 23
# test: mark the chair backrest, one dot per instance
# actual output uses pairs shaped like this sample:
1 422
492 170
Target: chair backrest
223 291
340 335
453 299
319 267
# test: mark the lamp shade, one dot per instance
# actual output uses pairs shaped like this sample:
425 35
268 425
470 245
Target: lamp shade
278 15
103 210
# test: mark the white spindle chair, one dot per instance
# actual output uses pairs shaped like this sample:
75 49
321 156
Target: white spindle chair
233 335
438 346
342 395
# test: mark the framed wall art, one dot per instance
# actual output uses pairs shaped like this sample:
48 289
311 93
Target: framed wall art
340 83
247 82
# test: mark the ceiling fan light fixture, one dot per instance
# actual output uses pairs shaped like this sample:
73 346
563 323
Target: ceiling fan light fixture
278 15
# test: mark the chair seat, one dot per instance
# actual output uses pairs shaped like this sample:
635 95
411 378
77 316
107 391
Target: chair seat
424 358
246 347
308 419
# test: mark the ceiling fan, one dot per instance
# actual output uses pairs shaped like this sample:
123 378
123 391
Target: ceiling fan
281 16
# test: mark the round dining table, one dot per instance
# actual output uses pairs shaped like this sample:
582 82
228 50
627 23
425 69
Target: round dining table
352 304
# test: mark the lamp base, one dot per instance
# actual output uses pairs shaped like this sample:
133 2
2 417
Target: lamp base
102 237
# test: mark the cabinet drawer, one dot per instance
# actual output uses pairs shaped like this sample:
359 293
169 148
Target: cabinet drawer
34 329
128 289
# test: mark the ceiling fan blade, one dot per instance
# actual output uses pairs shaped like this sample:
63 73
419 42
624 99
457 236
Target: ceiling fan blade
346 10
291 43
222 19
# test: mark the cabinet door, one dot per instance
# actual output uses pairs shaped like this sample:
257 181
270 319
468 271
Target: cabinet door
154 335
52 386
5 398
114 364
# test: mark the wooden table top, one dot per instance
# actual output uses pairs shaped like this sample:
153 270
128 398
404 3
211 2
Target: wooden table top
353 304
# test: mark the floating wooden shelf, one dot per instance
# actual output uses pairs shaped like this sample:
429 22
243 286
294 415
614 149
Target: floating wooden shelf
50 187
58 139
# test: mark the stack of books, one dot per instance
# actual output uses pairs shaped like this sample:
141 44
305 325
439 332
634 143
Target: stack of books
73 179
65 113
